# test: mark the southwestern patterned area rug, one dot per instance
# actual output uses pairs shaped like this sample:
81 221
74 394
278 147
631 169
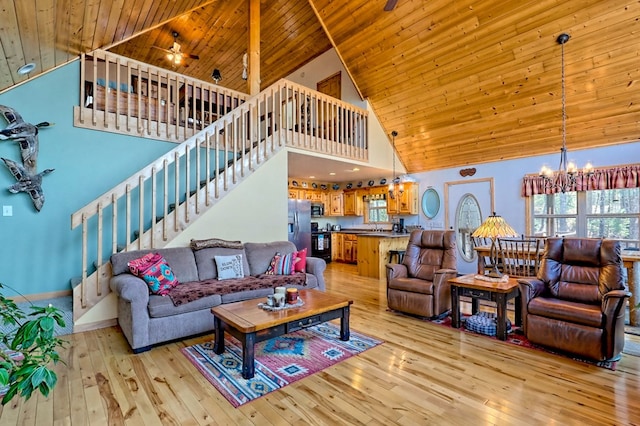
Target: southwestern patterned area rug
279 361
514 337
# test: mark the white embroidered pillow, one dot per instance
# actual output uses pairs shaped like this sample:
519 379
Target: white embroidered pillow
229 266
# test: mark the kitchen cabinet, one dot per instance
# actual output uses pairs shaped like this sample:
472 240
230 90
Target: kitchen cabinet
336 206
336 247
353 203
405 203
313 195
350 248
294 194
344 247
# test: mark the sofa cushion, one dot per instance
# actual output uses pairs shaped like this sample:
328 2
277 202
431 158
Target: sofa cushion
181 259
155 271
205 261
162 306
259 255
229 267
190 292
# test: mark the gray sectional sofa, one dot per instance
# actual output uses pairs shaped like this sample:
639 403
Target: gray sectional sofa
147 319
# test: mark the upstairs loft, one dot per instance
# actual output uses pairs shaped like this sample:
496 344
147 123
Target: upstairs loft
125 96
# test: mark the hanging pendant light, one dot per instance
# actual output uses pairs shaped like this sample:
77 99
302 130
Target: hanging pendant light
563 179
396 188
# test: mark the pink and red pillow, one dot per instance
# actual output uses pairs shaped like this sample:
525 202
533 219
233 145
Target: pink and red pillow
155 271
300 264
282 264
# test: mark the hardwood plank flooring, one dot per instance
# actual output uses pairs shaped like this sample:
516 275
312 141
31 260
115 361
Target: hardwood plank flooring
422 374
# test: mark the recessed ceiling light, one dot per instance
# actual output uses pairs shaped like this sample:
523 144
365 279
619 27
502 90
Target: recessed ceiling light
332 174
355 169
312 177
26 68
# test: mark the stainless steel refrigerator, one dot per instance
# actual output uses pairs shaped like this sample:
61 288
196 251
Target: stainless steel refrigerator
299 231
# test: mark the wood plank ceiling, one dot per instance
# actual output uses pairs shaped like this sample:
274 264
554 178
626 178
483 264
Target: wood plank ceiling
462 82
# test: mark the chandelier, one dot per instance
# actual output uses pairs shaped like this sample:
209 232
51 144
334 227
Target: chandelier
563 179
396 188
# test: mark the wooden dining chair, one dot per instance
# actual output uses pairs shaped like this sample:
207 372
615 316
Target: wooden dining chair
486 260
520 256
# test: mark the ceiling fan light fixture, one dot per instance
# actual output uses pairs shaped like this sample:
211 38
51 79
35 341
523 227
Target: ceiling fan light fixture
216 76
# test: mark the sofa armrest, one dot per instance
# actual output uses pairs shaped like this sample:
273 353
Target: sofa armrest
316 266
530 288
131 289
396 270
613 300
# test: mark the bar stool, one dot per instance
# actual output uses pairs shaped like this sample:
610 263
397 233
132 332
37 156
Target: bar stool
399 254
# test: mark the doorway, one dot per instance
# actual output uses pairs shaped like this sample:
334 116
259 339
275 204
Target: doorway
454 193
331 86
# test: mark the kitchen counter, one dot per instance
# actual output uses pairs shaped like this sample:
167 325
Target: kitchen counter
370 233
373 251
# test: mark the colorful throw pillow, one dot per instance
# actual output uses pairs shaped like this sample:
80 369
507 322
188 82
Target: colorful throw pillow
300 264
229 266
282 264
155 271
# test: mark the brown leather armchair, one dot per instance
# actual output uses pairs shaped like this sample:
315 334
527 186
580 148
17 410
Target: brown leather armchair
420 285
576 304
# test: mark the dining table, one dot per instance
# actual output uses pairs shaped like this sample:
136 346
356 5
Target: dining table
630 261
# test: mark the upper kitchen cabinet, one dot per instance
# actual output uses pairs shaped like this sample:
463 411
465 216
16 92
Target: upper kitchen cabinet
353 203
405 203
294 194
336 203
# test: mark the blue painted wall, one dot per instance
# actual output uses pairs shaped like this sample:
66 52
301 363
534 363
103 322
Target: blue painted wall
38 251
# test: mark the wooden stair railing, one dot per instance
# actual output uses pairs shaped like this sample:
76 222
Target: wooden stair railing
162 199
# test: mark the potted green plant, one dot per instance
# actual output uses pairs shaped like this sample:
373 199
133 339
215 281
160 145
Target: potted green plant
28 350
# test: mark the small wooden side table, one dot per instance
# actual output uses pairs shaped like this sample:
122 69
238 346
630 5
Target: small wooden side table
498 292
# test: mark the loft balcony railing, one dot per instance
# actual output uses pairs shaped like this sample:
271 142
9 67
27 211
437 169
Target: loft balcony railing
122 95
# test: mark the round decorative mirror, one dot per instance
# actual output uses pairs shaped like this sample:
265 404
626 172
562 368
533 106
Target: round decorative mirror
468 218
430 203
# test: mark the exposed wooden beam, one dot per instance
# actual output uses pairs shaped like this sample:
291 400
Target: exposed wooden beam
253 82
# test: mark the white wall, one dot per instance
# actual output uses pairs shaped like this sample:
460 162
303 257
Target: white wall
256 211
508 176
325 66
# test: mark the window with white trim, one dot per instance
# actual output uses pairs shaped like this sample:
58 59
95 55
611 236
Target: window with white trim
377 211
609 213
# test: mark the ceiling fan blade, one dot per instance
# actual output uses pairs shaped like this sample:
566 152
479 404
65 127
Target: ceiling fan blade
191 56
163 49
391 4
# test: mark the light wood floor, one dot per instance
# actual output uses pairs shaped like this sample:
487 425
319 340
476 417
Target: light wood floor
423 374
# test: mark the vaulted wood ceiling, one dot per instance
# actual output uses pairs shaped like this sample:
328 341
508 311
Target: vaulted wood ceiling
462 82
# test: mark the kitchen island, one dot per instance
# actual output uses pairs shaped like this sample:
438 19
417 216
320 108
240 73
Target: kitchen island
373 251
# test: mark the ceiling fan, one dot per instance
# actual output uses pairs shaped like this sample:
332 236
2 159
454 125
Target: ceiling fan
175 53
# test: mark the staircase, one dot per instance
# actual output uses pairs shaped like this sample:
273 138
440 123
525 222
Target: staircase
154 205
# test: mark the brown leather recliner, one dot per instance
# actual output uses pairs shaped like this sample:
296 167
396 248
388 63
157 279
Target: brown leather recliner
577 302
420 285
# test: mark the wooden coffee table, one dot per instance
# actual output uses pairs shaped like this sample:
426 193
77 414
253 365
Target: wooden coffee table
477 290
250 324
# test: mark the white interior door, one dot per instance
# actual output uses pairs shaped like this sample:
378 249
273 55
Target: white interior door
482 190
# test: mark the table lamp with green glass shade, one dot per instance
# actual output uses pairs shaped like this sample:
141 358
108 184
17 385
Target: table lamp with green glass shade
494 227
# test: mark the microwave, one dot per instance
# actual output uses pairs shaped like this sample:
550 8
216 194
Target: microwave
317 209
